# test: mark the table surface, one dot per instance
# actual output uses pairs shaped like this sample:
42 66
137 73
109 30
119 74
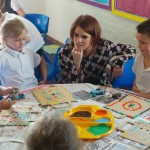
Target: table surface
12 134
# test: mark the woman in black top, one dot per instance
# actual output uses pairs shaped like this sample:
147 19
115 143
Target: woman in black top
84 59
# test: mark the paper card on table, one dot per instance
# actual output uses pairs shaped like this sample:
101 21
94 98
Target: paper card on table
13 122
30 108
147 117
143 124
53 95
82 94
138 134
13 133
130 105
10 118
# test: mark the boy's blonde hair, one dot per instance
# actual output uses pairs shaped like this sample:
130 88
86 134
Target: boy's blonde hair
12 28
52 132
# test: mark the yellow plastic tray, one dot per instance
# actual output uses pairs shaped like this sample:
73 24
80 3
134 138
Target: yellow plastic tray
92 122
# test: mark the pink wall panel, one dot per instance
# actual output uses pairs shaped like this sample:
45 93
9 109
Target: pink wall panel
146 8
129 6
137 7
120 4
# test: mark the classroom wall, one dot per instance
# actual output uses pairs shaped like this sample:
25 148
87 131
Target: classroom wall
64 12
33 6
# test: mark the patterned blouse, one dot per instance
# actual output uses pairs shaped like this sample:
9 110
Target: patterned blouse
93 66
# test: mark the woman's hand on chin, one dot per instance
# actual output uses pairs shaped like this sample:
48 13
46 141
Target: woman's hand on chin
77 56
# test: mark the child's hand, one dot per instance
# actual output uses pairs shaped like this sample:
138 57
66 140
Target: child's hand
12 90
116 72
8 90
42 82
5 104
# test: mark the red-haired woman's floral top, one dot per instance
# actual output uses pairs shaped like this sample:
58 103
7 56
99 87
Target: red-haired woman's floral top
93 66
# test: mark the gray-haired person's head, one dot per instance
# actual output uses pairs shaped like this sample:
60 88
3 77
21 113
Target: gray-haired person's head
53 132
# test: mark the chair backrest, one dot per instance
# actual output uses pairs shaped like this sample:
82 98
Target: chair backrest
67 40
126 80
56 60
53 68
40 21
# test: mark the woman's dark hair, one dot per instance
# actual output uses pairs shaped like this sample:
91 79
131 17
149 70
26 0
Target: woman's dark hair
90 25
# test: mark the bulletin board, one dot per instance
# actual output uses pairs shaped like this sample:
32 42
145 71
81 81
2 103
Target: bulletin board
137 10
105 4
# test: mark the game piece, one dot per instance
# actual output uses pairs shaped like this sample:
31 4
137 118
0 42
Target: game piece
18 96
98 91
116 95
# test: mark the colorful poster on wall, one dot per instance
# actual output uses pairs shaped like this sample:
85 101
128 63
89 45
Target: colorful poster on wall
105 4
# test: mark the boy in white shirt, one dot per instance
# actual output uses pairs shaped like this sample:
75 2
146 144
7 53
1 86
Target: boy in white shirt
34 39
17 62
141 65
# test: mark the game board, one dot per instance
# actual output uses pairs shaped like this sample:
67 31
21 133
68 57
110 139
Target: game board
92 122
53 95
130 105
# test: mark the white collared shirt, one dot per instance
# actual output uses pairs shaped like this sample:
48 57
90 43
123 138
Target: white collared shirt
142 74
17 68
15 5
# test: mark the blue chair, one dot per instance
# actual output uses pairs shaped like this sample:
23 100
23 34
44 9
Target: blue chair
127 79
1 97
53 69
40 21
67 40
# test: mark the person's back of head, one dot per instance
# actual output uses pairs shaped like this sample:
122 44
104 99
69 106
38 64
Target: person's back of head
52 132
144 27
